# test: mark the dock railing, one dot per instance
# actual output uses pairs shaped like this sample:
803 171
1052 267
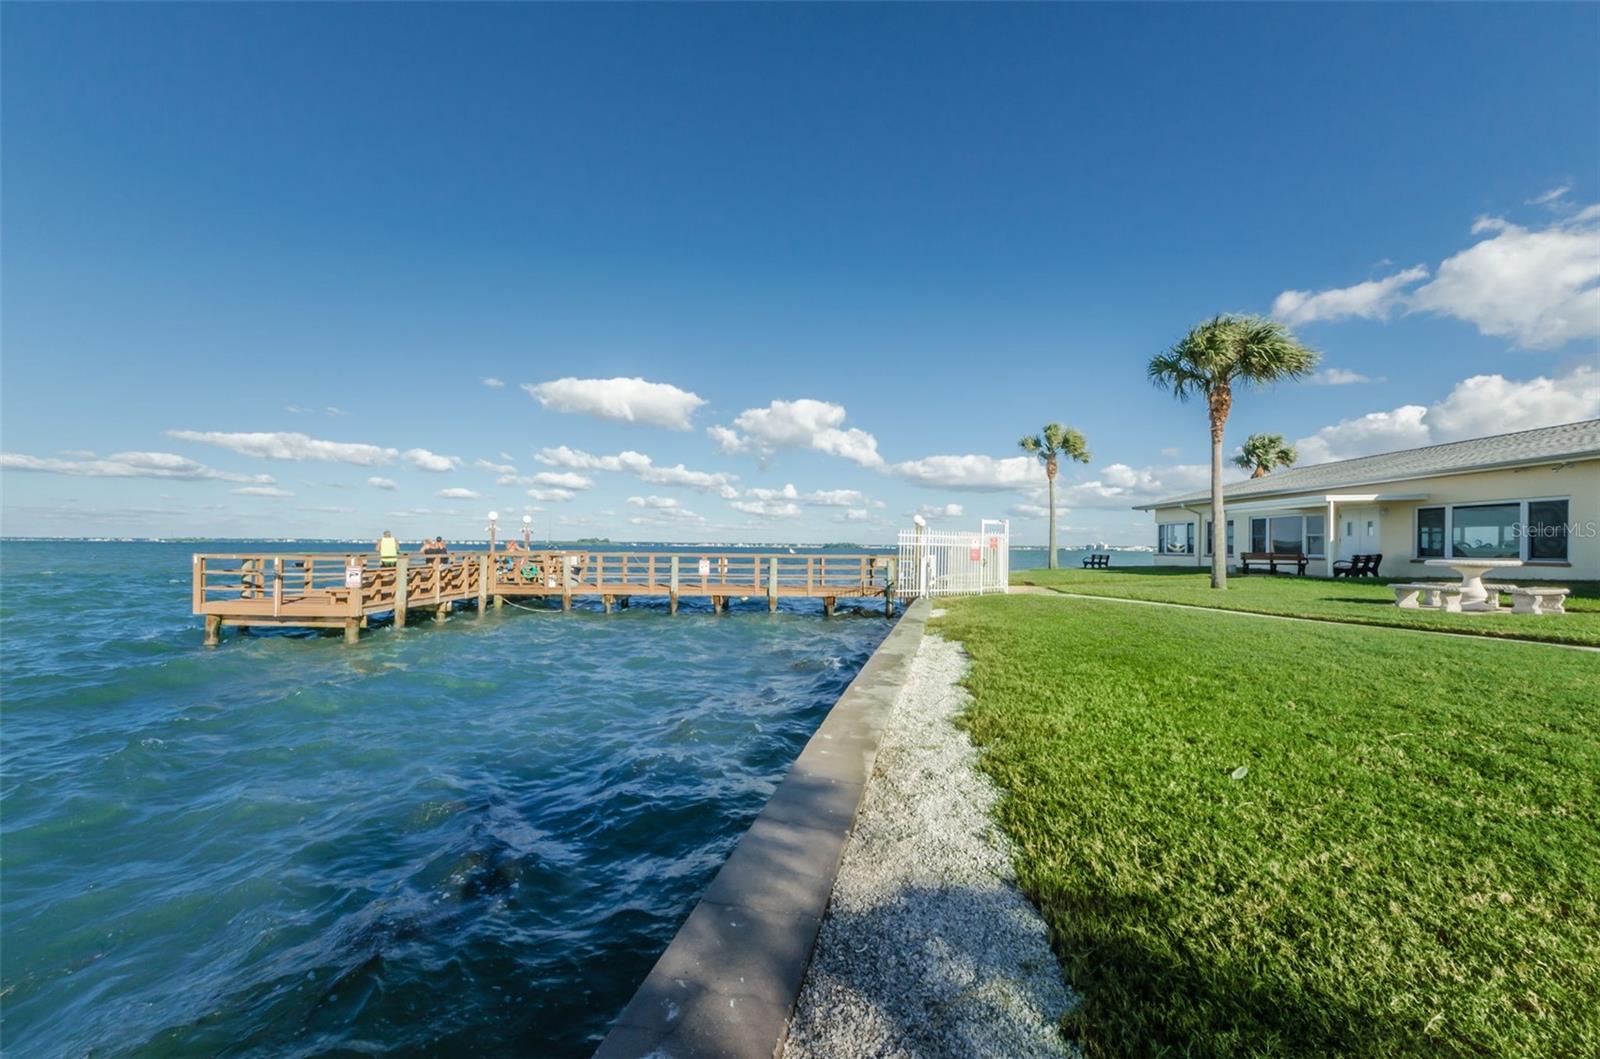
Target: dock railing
346 589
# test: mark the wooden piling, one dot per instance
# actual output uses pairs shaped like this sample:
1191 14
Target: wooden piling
402 588
672 588
566 583
213 630
888 589
827 606
441 612
485 566
605 601
352 630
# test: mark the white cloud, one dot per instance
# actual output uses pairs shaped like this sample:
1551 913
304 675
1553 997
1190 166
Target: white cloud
492 382
658 502
289 445
1029 511
128 465
1118 485
333 410
424 460
808 424
496 468
382 483
563 480
1551 197
977 473
1375 299
1475 407
819 498
1537 287
857 514
552 496
1337 377
629 400
940 511
457 493
260 490
767 508
640 466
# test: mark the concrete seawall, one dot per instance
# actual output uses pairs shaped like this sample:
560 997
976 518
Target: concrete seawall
726 985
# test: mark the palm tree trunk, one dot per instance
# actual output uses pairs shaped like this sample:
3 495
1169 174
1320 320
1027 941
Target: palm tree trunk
1219 530
1054 563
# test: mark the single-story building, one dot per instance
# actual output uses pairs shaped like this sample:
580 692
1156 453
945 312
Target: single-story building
1533 495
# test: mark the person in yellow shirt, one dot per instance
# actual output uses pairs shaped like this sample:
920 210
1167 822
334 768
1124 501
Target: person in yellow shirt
388 549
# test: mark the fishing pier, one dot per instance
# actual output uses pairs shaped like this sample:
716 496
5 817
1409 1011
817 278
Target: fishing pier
330 590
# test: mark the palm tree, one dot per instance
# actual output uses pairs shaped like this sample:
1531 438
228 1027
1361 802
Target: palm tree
1208 361
1264 453
1050 445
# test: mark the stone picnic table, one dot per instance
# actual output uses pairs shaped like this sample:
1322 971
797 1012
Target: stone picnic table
1472 571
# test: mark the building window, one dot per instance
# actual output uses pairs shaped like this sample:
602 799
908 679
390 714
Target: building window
1547 530
1230 536
1175 538
1314 535
1289 534
1430 532
1530 530
1486 531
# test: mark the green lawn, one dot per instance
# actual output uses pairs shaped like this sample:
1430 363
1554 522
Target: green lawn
1410 866
1365 602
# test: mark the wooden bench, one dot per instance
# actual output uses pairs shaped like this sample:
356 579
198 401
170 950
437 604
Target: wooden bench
1525 600
1096 562
1272 559
1358 566
1434 594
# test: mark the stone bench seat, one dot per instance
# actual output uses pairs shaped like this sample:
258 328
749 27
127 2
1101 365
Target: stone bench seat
1433 594
1538 600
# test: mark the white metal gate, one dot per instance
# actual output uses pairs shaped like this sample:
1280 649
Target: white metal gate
954 564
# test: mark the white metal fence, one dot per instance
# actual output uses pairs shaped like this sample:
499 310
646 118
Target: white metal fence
954 564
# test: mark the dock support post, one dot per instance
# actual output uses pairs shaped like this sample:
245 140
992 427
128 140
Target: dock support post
606 602
441 612
213 630
623 602
401 587
499 602
672 591
566 583
772 584
485 565
888 589
827 606
352 630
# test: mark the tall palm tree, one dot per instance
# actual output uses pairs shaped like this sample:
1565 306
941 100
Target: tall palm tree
1264 453
1052 444
1209 361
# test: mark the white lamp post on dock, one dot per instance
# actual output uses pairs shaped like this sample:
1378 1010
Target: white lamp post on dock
494 516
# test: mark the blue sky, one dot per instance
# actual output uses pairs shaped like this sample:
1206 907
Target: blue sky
258 260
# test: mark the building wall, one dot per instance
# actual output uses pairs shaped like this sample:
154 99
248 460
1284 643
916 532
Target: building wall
1579 483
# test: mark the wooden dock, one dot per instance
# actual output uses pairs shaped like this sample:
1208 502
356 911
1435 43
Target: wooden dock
331 590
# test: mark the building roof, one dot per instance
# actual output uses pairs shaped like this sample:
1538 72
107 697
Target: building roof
1546 444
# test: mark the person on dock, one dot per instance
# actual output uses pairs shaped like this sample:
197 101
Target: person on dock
388 549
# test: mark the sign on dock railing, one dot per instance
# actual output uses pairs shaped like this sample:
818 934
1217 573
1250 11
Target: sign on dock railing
954 564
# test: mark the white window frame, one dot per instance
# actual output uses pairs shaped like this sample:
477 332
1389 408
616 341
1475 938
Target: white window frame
1302 516
1522 520
1161 538
1231 534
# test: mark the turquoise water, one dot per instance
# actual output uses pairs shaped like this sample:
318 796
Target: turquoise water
468 839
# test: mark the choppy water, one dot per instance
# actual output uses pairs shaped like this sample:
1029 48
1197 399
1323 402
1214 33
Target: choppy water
471 839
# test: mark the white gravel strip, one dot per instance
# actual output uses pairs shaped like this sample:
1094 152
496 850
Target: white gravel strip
928 948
